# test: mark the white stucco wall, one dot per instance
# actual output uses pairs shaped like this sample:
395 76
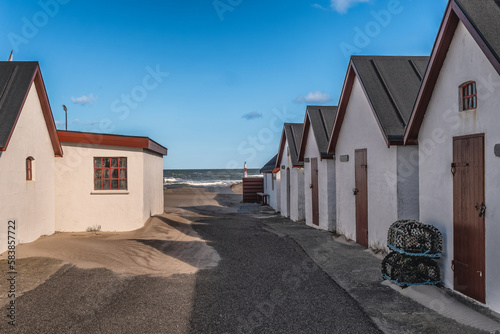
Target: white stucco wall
326 189
464 61
80 206
30 203
153 185
297 205
360 130
272 192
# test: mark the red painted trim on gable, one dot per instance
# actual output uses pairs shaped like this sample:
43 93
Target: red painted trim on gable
452 16
438 55
344 100
111 140
345 96
276 170
46 110
477 36
47 113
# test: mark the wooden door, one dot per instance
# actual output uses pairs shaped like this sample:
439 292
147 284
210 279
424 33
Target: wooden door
288 192
314 190
468 218
361 192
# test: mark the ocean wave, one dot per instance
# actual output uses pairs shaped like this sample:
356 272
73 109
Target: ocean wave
191 183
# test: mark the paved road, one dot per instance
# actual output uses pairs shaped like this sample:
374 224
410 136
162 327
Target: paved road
264 283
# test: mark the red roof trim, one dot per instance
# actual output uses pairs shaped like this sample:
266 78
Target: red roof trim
453 15
345 96
275 170
111 140
46 110
438 55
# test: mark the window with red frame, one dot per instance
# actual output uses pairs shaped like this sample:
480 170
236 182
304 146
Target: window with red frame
110 173
29 169
469 95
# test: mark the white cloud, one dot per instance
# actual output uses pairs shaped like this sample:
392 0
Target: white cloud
252 115
318 6
84 100
59 123
314 97
342 6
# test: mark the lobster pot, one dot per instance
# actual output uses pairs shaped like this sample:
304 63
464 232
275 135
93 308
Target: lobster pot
415 239
406 270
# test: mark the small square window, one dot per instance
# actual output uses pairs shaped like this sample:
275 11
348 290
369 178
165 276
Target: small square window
468 96
110 173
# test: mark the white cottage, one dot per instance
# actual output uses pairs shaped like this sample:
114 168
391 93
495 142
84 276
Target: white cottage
272 183
319 167
109 180
88 180
292 172
456 122
376 182
29 146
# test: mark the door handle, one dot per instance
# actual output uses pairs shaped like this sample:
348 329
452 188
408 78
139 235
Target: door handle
482 210
310 186
355 191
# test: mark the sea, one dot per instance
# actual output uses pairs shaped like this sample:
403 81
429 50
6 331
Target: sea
175 178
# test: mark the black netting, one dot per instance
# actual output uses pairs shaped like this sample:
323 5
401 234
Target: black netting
406 270
415 239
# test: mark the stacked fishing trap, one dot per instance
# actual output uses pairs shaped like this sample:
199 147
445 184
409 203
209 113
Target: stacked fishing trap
414 247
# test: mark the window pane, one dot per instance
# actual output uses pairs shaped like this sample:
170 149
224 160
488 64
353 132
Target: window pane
97 173
105 184
114 162
473 88
97 184
106 173
123 184
114 173
123 162
106 162
114 184
474 102
97 162
123 173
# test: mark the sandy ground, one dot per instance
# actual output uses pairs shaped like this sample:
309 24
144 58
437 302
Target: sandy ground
164 246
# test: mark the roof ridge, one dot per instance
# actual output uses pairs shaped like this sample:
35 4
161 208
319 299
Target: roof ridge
388 91
323 122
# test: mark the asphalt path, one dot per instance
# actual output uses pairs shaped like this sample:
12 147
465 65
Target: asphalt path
264 283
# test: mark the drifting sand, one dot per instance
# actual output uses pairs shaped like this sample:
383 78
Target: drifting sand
166 245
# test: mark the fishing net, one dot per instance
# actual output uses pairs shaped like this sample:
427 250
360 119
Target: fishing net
413 238
406 270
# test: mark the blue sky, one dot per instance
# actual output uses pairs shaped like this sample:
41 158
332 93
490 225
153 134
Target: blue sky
213 81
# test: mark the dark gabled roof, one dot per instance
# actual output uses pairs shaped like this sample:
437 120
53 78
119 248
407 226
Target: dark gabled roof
321 119
391 84
484 16
269 166
15 82
293 133
16 78
482 21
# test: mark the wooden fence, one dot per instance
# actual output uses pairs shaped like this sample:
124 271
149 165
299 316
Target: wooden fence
252 186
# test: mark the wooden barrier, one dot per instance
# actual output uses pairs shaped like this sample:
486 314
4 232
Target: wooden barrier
252 186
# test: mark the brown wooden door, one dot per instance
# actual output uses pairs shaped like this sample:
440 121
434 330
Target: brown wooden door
361 192
314 191
468 226
288 192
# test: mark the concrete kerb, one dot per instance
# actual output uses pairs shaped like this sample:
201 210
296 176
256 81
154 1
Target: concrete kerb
357 271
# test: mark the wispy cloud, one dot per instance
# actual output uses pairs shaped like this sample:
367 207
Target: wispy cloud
84 100
252 115
318 6
342 6
59 123
314 97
